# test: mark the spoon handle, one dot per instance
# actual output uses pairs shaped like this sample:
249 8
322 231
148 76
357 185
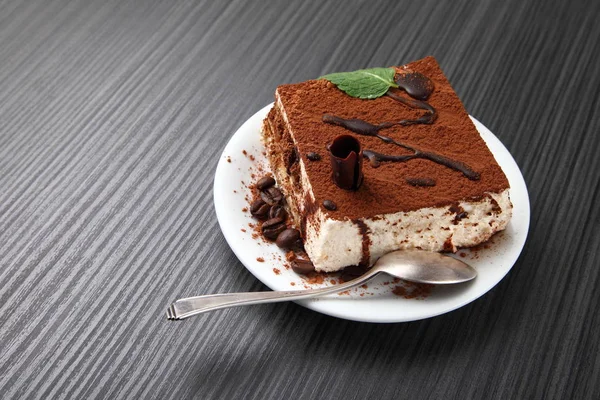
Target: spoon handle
184 308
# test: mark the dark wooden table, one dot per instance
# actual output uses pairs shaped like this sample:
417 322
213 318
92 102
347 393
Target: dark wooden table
112 118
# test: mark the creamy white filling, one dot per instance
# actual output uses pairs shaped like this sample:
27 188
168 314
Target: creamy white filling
335 244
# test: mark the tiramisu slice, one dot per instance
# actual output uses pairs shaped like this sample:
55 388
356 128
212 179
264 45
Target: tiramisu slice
368 168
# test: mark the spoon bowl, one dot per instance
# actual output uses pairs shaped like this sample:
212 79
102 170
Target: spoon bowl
425 267
410 265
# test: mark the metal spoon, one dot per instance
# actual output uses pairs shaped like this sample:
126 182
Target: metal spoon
411 265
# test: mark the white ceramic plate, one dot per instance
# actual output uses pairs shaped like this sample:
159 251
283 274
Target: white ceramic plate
243 156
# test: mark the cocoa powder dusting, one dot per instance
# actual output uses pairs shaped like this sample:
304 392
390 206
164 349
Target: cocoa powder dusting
315 278
385 189
410 290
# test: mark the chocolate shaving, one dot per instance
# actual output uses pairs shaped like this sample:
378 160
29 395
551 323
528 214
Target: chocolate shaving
420 181
330 205
346 158
312 156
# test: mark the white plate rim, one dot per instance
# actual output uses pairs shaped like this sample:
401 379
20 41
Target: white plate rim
354 308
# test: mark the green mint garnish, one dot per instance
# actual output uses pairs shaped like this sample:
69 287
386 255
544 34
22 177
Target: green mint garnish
364 83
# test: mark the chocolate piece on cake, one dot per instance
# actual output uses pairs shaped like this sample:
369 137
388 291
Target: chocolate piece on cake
428 180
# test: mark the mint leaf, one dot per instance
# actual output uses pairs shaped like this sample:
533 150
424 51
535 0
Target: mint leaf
364 83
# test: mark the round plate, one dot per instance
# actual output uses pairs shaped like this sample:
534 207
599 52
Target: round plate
243 157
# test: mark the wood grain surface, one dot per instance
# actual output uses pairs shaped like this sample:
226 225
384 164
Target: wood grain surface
112 118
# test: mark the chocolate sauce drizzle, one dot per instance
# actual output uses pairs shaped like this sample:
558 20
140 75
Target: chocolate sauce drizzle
367 129
416 85
366 242
421 182
420 88
428 118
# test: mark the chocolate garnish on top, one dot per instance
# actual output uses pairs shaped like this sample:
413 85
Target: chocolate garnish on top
423 182
428 118
415 84
367 129
312 156
346 157
420 88
330 205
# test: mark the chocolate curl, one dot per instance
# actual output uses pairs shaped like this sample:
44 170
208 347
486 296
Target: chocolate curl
346 158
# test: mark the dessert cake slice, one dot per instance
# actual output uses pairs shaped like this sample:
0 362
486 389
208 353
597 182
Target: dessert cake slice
363 177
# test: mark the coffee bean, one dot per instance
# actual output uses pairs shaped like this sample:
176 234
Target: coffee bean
302 266
287 239
265 183
263 212
330 205
271 222
256 204
271 196
312 156
273 232
259 209
278 212
271 228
